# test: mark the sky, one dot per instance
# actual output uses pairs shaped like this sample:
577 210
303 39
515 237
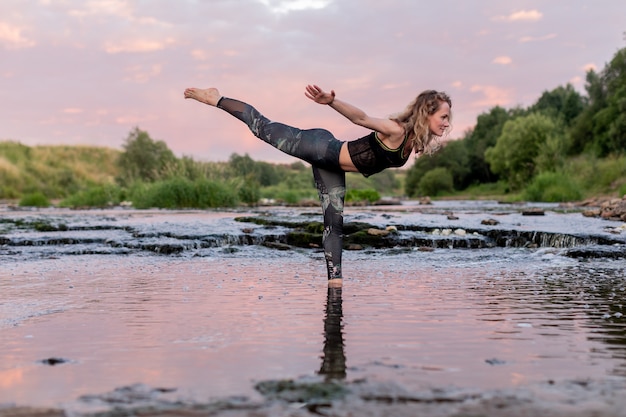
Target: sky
87 72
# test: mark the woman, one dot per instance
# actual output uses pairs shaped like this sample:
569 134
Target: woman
388 145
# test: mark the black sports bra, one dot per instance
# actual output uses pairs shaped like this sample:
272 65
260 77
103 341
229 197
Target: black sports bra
370 156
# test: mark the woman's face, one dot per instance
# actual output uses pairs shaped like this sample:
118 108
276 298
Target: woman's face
439 121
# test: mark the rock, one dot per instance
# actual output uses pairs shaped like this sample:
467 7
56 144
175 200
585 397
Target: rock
425 201
589 252
354 246
53 361
30 412
377 232
452 217
533 212
614 209
277 245
490 222
387 201
591 213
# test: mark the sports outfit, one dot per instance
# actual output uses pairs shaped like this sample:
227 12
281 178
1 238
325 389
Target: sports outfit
321 149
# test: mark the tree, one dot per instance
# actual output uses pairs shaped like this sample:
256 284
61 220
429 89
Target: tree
563 103
435 182
143 158
522 139
612 118
601 127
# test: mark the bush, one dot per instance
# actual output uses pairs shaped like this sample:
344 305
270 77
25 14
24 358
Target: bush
368 195
36 199
622 190
552 187
99 196
436 181
250 192
183 193
215 194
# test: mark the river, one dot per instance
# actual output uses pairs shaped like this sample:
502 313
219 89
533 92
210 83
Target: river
200 305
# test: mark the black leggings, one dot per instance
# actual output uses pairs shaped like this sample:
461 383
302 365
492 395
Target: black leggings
317 147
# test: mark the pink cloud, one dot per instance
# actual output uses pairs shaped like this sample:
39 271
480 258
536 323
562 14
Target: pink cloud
137 45
525 39
502 60
491 96
11 37
521 16
142 73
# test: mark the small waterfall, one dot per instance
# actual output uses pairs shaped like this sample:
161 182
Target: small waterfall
94 235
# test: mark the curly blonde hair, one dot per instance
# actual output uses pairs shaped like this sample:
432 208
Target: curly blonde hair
414 119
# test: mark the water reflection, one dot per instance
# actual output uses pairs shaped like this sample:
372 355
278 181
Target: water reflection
334 358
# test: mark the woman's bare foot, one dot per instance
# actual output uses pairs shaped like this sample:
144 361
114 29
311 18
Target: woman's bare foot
208 96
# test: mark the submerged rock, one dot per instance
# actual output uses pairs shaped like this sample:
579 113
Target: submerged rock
310 398
54 361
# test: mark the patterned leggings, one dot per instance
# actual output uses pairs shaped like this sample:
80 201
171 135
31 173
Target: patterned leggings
317 147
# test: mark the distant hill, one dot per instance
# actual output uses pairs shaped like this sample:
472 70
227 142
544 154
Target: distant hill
57 171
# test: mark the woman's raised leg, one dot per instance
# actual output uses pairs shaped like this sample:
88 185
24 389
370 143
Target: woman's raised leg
315 146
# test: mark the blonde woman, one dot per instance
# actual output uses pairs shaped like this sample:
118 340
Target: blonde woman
388 145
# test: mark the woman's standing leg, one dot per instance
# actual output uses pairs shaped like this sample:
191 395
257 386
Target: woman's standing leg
331 187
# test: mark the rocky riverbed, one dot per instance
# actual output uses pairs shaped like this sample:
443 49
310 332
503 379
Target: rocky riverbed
447 309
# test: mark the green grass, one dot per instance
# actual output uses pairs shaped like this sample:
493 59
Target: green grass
82 176
54 171
36 199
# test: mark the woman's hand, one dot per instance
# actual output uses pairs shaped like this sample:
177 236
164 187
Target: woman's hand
318 95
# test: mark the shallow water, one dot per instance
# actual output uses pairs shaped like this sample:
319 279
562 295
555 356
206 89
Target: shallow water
214 321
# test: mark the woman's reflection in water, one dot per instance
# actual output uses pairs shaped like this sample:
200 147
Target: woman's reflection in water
334 359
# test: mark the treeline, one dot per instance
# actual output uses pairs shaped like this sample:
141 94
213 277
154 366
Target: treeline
146 174
564 147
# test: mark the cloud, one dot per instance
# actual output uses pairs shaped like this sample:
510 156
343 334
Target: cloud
137 45
12 38
590 67
502 60
200 54
491 96
72 110
537 39
286 6
521 16
131 120
115 9
141 74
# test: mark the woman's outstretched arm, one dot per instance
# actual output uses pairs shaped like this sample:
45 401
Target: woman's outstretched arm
357 116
